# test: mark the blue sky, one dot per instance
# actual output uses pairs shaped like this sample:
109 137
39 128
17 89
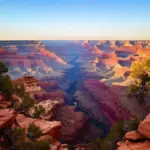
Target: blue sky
79 19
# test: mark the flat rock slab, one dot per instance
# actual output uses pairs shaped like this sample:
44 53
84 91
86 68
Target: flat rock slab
7 117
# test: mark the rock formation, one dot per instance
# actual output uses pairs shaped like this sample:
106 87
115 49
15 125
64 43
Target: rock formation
30 83
47 127
51 108
72 122
7 117
91 75
137 140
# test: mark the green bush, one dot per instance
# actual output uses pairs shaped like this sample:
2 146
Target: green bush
19 90
140 71
38 111
3 68
27 103
42 145
19 138
37 145
6 86
115 134
34 130
22 144
71 147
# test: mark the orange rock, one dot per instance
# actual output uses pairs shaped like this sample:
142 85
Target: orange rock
7 117
5 104
134 135
47 127
44 137
133 146
144 127
55 145
23 121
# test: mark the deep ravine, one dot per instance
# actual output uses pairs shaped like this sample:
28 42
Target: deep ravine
74 75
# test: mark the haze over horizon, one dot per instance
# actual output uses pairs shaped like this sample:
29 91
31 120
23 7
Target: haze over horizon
74 20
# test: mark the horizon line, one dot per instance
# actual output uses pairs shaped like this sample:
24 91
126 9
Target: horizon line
74 38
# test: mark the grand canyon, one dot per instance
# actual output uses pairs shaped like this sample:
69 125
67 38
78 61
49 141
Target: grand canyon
83 88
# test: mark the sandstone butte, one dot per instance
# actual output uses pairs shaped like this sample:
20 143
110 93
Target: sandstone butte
137 140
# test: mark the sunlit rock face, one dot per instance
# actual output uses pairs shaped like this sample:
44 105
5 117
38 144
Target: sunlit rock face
31 58
106 69
30 83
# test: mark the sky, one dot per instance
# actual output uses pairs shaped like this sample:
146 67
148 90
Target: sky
74 19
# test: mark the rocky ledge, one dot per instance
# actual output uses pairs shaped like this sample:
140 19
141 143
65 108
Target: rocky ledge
7 117
47 127
137 140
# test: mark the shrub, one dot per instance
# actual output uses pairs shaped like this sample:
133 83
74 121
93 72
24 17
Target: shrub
6 86
38 111
3 68
20 142
116 133
42 145
34 131
19 90
71 147
19 138
27 103
140 71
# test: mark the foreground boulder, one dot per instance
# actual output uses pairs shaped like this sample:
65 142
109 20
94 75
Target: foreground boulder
127 145
134 135
144 127
137 140
7 117
51 128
